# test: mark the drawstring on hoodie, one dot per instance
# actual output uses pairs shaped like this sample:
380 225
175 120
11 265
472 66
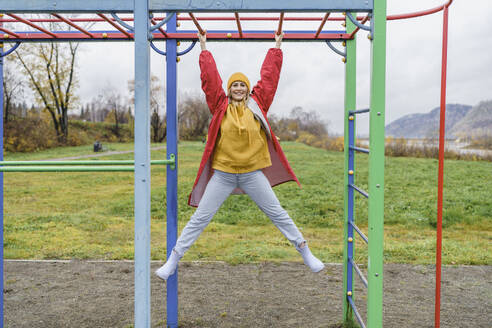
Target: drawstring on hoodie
237 114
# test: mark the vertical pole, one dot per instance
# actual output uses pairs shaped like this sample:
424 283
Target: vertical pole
349 135
142 165
172 175
440 178
376 166
1 184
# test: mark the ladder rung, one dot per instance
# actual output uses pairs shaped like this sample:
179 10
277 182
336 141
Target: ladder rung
360 111
362 150
361 234
362 192
357 314
359 272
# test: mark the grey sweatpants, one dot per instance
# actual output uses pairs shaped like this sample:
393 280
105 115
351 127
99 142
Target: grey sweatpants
220 186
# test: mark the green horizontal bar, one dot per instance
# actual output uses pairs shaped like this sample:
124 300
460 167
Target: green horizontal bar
114 162
67 169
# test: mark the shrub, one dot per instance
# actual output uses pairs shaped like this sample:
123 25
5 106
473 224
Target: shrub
29 134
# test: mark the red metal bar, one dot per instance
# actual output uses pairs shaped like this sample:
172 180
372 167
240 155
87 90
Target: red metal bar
116 26
160 28
202 32
238 22
358 28
321 26
280 22
9 32
440 175
219 18
25 21
266 18
258 36
420 13
116 35
69 22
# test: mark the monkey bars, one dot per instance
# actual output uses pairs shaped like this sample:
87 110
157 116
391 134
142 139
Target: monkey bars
27 29
98 20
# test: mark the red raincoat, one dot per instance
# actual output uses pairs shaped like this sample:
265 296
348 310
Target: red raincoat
262 93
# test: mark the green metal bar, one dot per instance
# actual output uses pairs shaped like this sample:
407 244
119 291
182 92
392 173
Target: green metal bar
376 167
350 104
56 163
67 169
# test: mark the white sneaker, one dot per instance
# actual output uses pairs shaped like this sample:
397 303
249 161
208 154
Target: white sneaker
169 267
310 260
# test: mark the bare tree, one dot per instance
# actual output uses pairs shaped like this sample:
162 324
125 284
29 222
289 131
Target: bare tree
193 117
13 89
115 103
309 121
157 125
51 71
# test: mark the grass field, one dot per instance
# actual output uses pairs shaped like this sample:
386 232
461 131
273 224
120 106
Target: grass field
90 215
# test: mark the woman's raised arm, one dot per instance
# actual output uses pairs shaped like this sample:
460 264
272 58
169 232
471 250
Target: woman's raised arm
264 90
211 81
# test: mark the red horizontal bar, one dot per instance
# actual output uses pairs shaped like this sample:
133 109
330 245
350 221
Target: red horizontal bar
9 33
74 36
262 36
56 20
420 13
188 36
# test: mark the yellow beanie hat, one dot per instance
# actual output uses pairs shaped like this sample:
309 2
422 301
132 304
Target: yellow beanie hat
238 77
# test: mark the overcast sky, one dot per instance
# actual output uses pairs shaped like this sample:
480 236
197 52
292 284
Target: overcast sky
313 75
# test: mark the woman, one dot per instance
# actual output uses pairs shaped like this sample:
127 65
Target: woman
242 154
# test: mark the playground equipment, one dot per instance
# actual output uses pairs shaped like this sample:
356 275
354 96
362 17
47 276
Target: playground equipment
146 29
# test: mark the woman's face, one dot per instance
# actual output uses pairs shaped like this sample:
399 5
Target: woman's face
238 91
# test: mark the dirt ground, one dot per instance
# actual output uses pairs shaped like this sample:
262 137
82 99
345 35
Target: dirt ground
100 294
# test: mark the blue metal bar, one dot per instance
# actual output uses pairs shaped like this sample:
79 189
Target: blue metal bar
192 45
362 192
359 272
356 22
161 23
351 203
361 234
122 23
8 52
341 53
362 150
142 165
1 183
122 6
160 52
357 314
171 175
360 111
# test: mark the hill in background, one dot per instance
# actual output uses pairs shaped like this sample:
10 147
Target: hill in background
476 123
426 125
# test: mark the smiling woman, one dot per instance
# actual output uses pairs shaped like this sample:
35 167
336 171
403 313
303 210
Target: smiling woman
242 155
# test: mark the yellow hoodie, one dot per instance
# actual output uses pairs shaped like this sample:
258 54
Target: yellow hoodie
242 144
